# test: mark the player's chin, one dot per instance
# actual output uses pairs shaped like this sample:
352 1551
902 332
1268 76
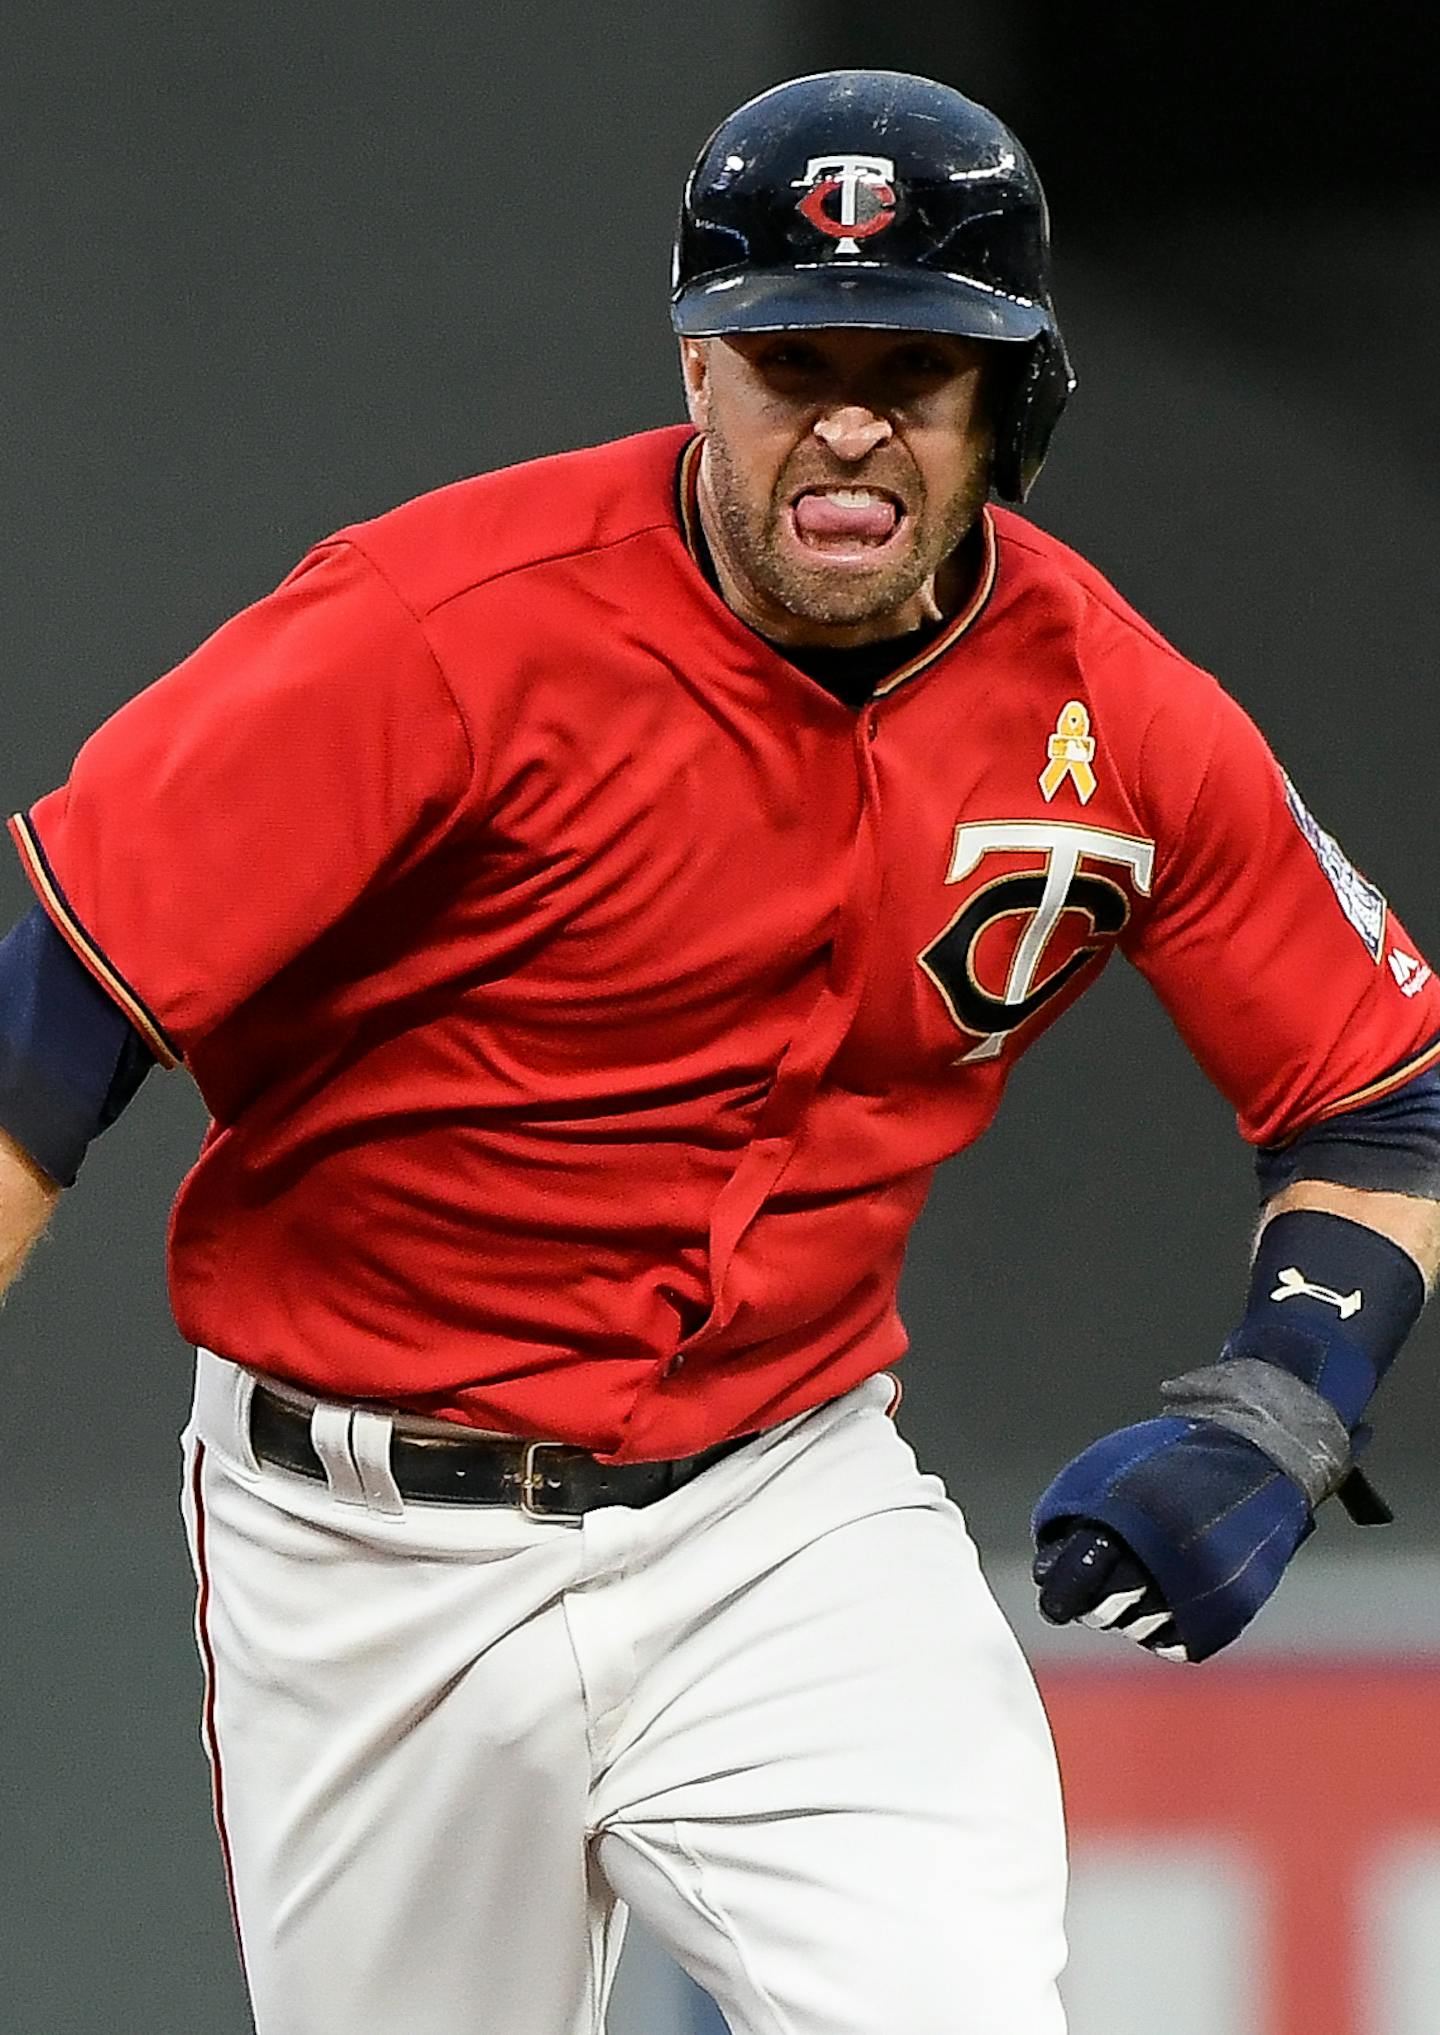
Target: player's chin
846 606
847 583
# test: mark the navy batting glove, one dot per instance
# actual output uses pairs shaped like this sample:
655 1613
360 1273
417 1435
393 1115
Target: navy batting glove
1090 1576
1193 1517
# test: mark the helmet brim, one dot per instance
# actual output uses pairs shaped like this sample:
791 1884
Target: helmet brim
870 295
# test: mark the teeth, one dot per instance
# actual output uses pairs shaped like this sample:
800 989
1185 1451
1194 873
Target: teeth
852 498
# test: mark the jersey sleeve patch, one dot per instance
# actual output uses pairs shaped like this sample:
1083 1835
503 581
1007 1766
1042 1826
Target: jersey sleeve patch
1361 902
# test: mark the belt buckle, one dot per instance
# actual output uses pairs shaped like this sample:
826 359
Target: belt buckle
532 1483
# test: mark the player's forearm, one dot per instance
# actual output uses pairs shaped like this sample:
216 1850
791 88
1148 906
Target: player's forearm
1339 1278
1411 1221
26 1198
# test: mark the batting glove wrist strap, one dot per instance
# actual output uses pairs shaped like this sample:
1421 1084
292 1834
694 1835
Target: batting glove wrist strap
1292 1423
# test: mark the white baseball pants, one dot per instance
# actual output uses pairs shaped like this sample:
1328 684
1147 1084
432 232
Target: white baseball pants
777 1715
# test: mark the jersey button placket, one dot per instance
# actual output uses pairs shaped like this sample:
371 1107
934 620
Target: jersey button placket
803 1064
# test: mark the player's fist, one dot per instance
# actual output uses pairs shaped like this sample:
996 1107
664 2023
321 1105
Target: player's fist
1090 1576
1175 1530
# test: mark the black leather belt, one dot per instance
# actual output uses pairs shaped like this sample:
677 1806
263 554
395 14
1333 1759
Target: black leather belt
547 1479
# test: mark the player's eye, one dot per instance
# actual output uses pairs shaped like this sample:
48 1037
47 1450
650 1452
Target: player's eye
790 358
921 363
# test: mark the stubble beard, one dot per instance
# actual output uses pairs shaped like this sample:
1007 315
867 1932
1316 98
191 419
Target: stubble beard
833 596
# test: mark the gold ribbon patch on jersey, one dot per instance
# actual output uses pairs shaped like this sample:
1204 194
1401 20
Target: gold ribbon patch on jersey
1072 754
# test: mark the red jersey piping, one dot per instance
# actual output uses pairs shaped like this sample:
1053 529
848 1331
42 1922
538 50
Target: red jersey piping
1429 1056
37 868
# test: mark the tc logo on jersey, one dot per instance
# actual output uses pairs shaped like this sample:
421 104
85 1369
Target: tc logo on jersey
1023 933
848 197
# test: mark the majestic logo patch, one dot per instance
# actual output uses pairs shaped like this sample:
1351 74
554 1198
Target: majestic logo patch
1044 898
1361 902
1411 973
1072 754
849 198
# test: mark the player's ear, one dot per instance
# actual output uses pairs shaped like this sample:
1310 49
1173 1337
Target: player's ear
695 368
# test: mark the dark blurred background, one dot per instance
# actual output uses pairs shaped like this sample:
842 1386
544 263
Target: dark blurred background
269 270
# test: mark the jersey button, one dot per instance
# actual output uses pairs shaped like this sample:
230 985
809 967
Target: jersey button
675 1364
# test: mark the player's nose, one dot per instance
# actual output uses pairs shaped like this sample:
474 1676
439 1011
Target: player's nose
851 432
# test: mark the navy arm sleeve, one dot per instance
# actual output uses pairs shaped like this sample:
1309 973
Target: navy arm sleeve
70 1060
1392 1145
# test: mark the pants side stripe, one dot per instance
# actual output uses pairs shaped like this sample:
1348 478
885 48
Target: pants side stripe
208 1729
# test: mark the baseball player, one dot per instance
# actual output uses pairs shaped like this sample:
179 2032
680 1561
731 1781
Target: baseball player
591 900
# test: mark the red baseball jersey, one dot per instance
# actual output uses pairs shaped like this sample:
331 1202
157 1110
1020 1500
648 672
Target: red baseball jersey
583 996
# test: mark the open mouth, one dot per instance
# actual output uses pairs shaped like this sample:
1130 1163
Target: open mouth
844 523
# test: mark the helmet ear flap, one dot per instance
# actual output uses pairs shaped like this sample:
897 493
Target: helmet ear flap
1028 412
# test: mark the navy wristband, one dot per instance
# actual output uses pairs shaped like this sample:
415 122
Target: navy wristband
1331 1301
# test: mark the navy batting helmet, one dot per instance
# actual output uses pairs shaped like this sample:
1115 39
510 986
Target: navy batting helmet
874 198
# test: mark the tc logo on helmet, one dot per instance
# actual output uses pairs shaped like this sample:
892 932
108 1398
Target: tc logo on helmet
863 185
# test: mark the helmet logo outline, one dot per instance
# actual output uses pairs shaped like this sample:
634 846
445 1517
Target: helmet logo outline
865 186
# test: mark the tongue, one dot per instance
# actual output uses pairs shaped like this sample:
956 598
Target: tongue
870 523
